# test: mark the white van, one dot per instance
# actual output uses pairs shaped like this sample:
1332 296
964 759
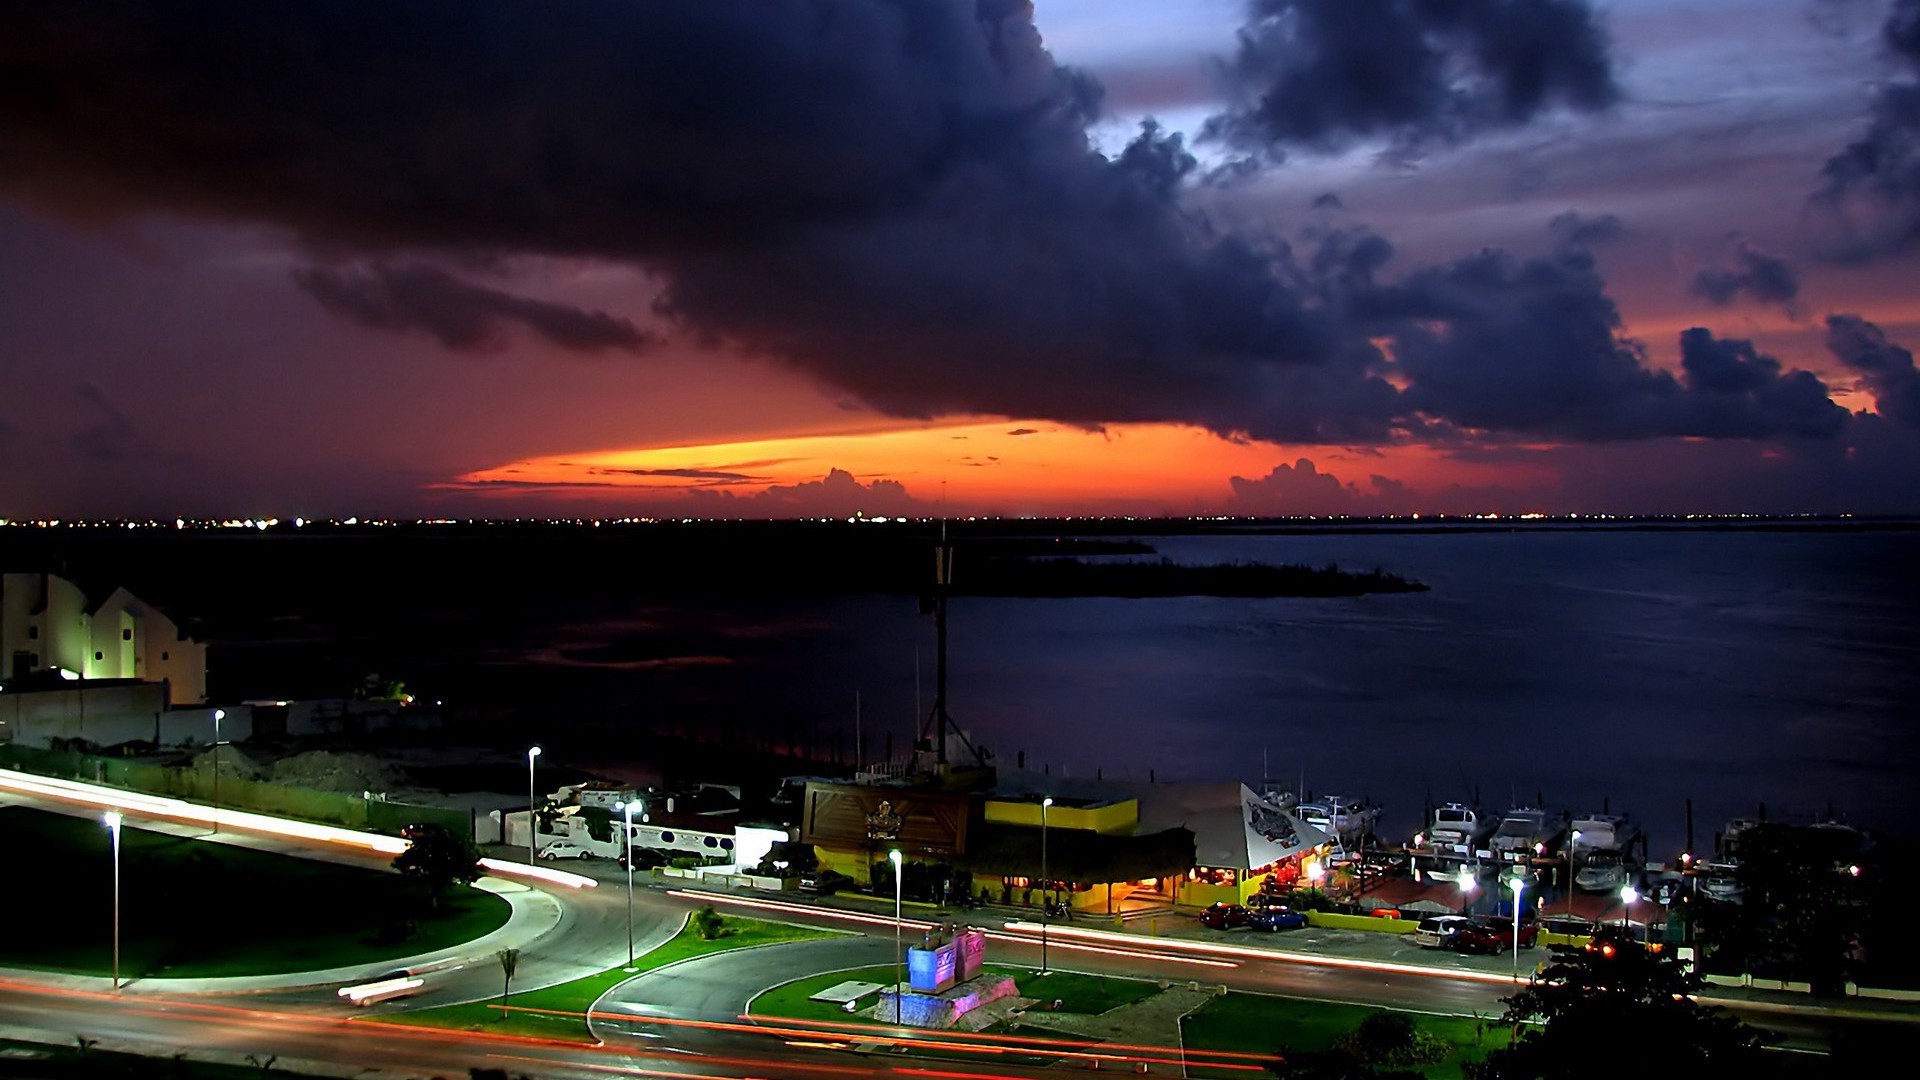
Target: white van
1434 930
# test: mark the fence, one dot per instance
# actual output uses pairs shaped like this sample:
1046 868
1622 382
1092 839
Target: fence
279 800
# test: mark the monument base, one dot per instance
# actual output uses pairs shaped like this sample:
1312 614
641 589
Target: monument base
943 1010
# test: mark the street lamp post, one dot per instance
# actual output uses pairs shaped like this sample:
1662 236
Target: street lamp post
626 821
1573 839
1519 886
533 826
894 858
1628 894
218 715
1046 882
113 827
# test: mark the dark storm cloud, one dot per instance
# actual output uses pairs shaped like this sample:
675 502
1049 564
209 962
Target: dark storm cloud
1869 203
683 474
896 196
1574 229
1497 343
1323 74
1886 369
1767 279
463 316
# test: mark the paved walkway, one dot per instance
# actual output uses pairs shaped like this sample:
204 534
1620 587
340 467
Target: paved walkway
1154 1021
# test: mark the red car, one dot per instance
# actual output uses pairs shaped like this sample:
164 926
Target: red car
1492 934
1223 916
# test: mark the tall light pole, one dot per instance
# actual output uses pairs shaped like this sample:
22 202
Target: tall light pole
113 827
533 826
1519 886
1573 839
1046 882
894 858
218 715
626 820
1628 894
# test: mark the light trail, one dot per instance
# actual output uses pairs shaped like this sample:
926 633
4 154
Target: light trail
918 924
158 806
1274 955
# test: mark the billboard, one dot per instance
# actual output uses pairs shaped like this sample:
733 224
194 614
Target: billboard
917 822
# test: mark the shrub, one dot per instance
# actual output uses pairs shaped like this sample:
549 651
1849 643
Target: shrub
1391 1039
709 922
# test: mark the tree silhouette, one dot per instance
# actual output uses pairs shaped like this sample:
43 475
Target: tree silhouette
441 859
1618 993
509 963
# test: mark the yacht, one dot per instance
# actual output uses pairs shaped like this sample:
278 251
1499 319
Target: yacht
1345 820
1458 831
1601 871
1523 833
1588 833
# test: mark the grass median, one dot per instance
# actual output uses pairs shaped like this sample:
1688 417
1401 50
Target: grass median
559 1011
1260 1024
194 909
1075 993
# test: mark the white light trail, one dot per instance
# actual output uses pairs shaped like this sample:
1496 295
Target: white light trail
158 806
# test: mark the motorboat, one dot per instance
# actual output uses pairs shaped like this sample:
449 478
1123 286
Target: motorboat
1601 871
1600 832
1345 820
1523 833
1458 831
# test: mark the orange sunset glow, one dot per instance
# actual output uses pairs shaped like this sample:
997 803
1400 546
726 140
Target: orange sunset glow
990 466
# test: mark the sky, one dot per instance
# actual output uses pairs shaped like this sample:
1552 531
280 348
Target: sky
915 257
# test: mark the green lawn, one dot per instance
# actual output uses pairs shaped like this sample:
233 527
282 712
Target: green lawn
194 909
1256 1023
574 998
1076 993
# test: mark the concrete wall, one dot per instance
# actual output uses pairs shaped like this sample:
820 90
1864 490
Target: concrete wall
102 715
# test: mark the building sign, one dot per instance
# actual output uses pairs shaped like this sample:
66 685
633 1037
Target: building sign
883 823
919 823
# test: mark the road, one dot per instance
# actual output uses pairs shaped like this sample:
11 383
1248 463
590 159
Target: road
589 935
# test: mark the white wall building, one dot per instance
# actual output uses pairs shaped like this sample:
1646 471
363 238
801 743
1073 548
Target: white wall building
47 624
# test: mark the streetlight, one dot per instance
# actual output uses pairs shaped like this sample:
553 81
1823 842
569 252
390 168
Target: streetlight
218 715
626 819
1045 882
894 858
1573 839
112 818
532 823
1628 894
1519 886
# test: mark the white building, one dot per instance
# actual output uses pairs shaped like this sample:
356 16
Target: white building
46 624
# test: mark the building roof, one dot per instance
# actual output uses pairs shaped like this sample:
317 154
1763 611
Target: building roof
1232 826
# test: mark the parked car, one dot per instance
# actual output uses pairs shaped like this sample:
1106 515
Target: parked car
643 859
1223 916
1276 917
563 849
1435 930
824 882
1492 935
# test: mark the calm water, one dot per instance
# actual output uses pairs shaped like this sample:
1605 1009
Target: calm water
1639 668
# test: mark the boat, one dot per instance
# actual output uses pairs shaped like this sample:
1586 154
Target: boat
1523 833
1593 832
1345 820
1458 831
1601 871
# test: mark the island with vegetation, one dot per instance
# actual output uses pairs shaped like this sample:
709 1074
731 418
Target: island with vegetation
1077 577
